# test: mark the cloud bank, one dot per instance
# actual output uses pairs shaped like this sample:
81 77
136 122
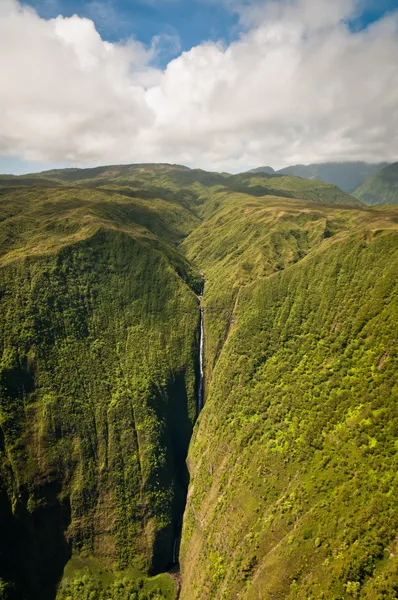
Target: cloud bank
298 86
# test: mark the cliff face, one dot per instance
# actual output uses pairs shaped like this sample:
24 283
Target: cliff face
99 351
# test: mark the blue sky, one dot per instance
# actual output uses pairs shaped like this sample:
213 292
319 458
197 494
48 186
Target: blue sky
374 9
214 109
193 21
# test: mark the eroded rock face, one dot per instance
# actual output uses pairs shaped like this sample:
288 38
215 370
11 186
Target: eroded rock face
98 402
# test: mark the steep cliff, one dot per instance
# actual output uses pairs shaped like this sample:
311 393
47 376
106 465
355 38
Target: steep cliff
99 333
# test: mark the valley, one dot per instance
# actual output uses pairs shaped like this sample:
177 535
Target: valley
196 368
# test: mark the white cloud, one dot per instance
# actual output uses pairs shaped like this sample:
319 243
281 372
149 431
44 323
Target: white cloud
298 86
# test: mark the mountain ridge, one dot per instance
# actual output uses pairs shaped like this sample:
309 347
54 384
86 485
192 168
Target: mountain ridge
381 188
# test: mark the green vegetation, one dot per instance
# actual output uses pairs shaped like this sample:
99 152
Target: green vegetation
292 187
293 459
252 238
381 188
85 579
293 463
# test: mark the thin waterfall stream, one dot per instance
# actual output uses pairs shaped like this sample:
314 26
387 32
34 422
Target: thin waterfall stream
201 352
199 407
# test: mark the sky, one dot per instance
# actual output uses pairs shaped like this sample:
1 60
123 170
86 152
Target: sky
223 85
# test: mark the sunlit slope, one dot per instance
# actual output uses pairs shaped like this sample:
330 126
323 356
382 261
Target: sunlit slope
381 188
98 330
250 238
291 187
293 463
190 188
37 218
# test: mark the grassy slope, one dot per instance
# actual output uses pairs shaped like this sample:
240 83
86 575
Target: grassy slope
191 187
381 188
98 342
245 238
291 187
293 463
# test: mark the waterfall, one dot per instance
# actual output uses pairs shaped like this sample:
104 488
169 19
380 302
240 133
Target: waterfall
201 351
175 548
200 398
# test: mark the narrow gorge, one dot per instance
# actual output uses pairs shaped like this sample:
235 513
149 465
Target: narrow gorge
201 356
200 404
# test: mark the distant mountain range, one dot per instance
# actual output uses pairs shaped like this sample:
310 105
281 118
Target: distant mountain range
346 175
265 170
381 188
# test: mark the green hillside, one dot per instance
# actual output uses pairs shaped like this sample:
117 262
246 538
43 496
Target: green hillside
292 462
189 187
252 238
381 188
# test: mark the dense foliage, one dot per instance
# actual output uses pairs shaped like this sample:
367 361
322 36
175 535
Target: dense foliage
293 465
85 579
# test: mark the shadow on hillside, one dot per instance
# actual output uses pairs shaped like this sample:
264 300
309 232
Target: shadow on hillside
33 549
177 436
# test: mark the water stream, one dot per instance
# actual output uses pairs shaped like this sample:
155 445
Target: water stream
199 407
201 350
